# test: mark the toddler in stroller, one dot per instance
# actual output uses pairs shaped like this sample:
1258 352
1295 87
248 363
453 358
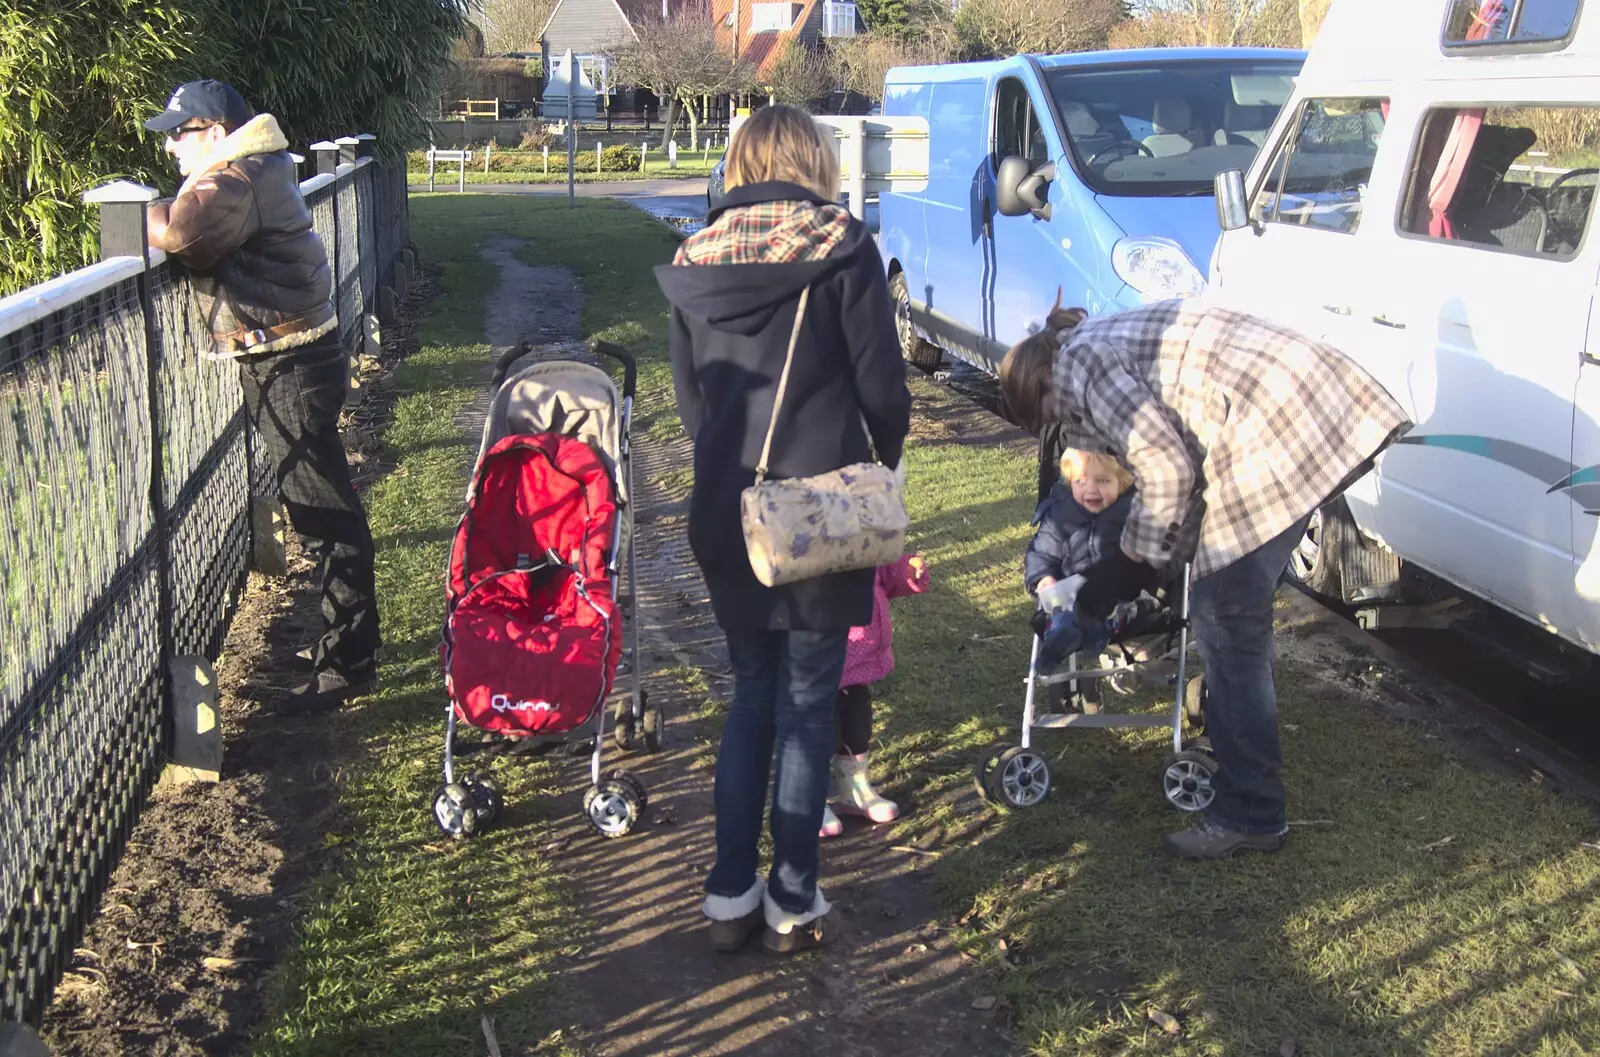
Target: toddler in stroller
1076 523
1079 518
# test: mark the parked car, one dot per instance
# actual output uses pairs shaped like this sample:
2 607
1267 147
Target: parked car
1090 174
1423 203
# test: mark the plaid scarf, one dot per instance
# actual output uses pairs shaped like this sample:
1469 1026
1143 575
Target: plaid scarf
768 233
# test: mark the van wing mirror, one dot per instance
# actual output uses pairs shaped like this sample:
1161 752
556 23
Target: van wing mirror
1020 191
1233 208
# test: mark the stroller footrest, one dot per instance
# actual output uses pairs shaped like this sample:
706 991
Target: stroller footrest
1061 720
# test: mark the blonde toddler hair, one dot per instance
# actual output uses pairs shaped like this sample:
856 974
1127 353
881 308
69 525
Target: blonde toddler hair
784 143
1076 463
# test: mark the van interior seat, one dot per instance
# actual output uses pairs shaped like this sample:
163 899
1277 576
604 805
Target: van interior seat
1492 210
1244 126
1174 128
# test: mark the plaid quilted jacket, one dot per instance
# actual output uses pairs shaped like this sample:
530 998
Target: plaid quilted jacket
1234 428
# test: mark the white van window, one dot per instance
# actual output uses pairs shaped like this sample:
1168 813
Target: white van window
1502 24
1520 179
1017 131
1320 171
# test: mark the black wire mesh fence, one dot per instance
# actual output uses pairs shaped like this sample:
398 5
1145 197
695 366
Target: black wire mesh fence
127 469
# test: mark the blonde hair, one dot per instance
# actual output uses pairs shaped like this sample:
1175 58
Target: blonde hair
784 143
1076 463
1028 370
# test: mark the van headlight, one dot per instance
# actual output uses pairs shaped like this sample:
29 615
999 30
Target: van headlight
1157 267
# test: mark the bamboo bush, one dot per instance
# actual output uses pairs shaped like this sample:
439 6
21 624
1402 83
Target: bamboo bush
81 76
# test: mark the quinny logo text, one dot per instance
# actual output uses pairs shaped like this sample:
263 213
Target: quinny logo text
502 703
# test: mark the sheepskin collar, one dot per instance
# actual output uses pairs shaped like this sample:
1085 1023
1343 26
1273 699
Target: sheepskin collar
259 135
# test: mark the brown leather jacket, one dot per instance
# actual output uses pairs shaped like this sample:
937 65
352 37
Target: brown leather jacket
240 222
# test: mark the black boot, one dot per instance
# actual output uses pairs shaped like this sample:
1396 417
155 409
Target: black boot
326 692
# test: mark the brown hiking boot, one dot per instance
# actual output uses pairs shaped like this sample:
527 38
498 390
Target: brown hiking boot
818 932
733 935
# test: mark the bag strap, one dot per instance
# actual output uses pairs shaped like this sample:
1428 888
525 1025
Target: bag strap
783 384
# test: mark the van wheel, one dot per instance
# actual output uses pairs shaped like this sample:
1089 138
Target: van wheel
920 354
1314 565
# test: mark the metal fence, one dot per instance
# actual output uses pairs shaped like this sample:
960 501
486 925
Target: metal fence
127 468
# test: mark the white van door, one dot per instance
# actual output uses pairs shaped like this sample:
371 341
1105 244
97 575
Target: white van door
1489 330
1583 489
1297 263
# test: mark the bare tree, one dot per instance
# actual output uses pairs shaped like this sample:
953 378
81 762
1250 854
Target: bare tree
802 75
1200 23
680 60
514 25
865 60
1312 13
998 28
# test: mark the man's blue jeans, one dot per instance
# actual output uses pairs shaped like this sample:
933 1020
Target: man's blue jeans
1231 612
784 687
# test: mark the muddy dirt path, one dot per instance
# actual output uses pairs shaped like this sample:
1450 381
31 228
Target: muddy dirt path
649 982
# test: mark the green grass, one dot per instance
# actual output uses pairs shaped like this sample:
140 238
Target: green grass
1371 934
414 937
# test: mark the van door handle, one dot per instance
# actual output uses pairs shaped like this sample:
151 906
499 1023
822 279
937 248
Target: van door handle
1385 321
1338 310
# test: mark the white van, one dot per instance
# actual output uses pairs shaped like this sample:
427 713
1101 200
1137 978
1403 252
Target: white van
1423 202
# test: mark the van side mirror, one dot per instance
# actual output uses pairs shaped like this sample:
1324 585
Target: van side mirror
1233 208
1020 191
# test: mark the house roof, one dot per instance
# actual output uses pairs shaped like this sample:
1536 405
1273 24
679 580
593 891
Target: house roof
633 11
764 50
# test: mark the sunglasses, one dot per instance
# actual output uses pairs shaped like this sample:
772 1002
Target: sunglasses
184 130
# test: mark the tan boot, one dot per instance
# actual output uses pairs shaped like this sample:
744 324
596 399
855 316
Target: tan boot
788 933
734 918
853 792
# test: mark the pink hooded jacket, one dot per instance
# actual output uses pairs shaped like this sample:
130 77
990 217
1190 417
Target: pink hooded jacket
870 654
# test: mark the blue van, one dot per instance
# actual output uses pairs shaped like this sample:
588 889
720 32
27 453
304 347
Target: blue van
1090 172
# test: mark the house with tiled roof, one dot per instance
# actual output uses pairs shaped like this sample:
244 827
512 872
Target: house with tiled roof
766 31
590 28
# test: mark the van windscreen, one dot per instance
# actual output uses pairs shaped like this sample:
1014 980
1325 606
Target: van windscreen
1167 130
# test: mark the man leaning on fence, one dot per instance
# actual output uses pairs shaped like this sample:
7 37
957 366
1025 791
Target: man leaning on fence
240 223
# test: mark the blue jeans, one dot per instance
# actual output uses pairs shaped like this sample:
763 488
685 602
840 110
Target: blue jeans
1231 612
784 687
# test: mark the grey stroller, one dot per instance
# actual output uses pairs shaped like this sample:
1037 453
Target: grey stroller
1152 648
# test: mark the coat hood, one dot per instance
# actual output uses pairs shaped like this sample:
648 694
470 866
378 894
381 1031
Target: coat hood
765 244
259 135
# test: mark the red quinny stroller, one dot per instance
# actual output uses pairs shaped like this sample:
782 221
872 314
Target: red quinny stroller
533 637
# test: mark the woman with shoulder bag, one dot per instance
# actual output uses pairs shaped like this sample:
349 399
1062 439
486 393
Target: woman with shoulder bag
785 359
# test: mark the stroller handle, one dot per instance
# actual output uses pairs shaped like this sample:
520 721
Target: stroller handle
502 366
630 368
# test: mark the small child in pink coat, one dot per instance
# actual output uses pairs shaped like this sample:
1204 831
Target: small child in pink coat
868 658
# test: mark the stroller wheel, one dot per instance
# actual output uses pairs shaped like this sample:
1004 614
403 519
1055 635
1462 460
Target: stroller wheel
622 726
611 808
1020 778
631 780
1194 701
487 796
654 726
1188 780
455 810
984 770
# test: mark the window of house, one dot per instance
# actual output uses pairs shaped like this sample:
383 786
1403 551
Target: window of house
1514 178
1319 174
1534 24
1017 131
771 18
838 19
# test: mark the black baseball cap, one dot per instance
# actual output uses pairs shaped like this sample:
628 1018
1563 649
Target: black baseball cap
202 101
